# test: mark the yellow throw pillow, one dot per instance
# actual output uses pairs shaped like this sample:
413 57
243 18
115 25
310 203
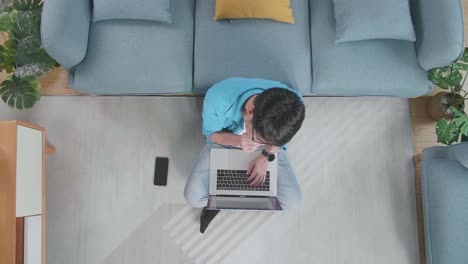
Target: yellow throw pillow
279 10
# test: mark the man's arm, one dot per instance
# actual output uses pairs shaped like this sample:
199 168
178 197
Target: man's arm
243 141
271 149
226 138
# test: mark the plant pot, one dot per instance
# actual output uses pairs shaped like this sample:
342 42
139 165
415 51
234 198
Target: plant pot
439 106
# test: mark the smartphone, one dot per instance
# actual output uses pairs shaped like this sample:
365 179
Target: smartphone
160 171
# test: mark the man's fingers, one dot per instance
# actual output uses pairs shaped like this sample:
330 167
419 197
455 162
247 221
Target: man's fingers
254 179
252 175
261 180
258 179
249 169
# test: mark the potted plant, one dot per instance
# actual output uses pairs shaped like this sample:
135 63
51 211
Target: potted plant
448 107
22 56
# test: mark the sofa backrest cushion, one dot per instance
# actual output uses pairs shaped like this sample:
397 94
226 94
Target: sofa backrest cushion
159 10
279 10
373 19
439 31
459 152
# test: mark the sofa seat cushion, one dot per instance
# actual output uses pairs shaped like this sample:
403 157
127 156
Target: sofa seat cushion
252 48
371 67
445 206
139 57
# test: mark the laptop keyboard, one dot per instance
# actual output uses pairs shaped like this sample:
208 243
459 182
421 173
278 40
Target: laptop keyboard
236 180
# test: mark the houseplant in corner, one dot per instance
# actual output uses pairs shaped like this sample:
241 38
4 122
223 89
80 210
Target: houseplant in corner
448 107
22 57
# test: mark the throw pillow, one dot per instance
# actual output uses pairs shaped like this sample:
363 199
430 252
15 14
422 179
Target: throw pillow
159 10
279 10
373 19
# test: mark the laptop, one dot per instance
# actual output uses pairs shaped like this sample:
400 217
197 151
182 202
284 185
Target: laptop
229 188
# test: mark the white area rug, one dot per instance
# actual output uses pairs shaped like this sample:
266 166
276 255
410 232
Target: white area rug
352 159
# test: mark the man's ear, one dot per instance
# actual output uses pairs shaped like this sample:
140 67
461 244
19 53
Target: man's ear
251 110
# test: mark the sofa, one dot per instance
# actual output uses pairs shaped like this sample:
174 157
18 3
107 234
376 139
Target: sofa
195 51
444 178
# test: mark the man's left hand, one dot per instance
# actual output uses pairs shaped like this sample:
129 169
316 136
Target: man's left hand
257 171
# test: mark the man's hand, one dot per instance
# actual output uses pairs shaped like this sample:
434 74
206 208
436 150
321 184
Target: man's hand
247 144
257 171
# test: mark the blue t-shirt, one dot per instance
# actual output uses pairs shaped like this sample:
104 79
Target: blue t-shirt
222 108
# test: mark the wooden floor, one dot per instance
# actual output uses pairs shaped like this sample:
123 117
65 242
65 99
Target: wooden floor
424 136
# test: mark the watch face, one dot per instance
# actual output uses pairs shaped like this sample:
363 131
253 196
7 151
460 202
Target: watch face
271 157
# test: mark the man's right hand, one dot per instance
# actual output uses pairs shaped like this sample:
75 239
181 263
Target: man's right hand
247 144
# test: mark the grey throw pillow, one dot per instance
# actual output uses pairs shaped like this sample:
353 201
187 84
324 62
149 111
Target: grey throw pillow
159 10
373 19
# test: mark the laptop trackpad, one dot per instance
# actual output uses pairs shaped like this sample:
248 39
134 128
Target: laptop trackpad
243 203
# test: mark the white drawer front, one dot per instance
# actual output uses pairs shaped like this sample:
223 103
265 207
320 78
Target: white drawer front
33 240
28 172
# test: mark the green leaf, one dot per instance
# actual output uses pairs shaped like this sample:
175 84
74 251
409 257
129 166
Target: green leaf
20 93
460 66
29 48
461 120
26 27
36 70
464 56
447 133
464 129
30 14
25 5
440 77
455 78
7 55
29 45
7 20
23 57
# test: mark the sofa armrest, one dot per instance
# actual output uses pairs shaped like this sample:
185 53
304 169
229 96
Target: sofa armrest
439 31
65 30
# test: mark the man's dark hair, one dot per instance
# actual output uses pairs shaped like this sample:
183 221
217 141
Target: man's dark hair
278 115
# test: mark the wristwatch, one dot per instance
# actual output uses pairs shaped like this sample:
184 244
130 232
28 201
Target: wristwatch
269 156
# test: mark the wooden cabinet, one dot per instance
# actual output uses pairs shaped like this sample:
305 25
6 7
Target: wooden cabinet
22 193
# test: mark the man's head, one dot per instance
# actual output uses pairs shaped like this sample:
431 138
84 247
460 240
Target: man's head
277 115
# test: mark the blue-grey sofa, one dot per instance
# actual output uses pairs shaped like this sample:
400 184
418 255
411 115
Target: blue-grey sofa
445 203
195 51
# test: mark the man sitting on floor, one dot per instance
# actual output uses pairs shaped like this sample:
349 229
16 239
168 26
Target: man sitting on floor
248 114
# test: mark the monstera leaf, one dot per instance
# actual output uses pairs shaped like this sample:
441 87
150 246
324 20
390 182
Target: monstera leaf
29 45
36 70
20 93
461 120
445 77
460 66
30 51
7 55
7 20
447 133
464 56
26 5
26 27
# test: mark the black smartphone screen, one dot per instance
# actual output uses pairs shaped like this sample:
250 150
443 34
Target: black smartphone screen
160 171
